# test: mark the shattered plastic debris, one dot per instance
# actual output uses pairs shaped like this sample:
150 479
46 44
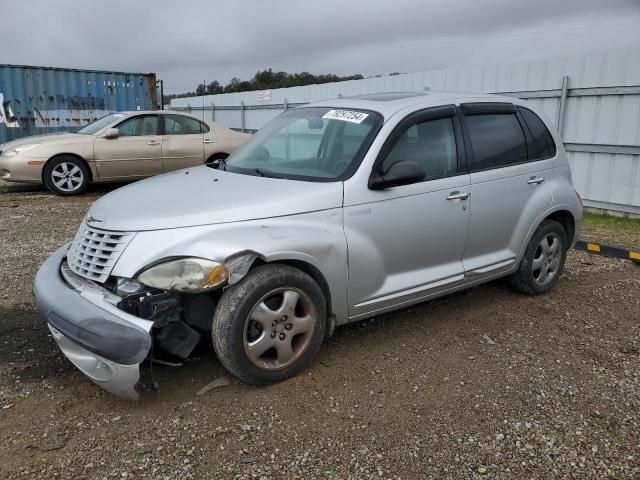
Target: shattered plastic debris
488 340
218 382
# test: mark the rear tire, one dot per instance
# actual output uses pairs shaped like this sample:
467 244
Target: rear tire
543 260
66 176
214 160
270 326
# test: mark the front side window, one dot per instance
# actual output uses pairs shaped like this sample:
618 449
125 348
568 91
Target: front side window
497 140
542 145
314 143
431 143
182 125
139 126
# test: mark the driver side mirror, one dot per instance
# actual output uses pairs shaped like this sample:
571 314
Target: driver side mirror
400 173
112 133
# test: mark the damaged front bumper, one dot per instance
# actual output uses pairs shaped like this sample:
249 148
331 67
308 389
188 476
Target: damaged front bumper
104 342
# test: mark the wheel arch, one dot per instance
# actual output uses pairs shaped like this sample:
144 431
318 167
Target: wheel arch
216 156
73 155
567 220
308 268
561 214
252 259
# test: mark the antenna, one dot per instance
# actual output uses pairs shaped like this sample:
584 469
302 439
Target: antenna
204 92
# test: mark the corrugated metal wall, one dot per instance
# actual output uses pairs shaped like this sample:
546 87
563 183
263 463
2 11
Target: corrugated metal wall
601 126
47 100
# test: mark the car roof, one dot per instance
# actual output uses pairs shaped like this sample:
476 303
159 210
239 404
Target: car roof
131 113
385 103
154 112
389 103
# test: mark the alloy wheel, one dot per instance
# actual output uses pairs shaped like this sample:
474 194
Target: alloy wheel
67 176
546 259
279 328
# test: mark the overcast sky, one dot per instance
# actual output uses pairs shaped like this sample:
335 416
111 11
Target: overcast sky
186 42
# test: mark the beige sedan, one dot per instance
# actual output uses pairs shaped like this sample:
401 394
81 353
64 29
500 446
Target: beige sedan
118 147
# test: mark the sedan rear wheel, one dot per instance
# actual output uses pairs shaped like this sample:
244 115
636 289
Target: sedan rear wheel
217 160
66 176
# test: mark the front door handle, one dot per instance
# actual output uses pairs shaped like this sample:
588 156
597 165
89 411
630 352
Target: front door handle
458 195
206 140
535 180
153 142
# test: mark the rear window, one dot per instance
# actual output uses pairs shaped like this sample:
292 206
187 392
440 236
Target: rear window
542 145
497 140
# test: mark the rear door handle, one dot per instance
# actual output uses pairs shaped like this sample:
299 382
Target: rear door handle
535 180
153 142
458 195
206 140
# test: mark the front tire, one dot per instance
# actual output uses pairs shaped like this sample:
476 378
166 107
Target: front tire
270 326
543 260
66 176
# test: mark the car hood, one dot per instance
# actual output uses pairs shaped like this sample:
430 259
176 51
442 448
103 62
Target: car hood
204 196
48 139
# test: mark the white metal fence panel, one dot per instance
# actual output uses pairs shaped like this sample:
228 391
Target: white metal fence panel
227 117
600 123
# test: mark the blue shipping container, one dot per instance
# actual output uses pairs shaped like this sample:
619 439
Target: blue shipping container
37 100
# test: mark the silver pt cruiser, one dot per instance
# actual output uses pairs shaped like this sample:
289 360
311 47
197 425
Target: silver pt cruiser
332 213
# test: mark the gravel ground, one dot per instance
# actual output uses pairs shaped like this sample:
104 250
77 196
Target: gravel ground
482 384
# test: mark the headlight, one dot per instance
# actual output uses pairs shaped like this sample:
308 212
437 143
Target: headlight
22 148
188 275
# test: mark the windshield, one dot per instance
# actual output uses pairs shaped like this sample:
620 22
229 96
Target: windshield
315 144
95 127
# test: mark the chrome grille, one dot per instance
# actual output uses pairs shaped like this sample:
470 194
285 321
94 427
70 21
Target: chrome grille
94 252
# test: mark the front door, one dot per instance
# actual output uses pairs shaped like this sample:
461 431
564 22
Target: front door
183 142
136 152
406 242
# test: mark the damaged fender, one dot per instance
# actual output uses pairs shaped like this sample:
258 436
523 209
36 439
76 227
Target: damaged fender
239 264
315 238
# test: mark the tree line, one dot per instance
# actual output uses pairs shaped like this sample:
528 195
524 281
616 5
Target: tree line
263 80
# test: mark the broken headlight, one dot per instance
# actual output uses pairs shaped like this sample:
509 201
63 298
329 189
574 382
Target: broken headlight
187 275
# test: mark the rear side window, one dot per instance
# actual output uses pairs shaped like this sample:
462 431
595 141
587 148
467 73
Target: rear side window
181 125
542 145
497 140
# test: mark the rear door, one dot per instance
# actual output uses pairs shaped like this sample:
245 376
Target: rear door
136 152
508 189
183 141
